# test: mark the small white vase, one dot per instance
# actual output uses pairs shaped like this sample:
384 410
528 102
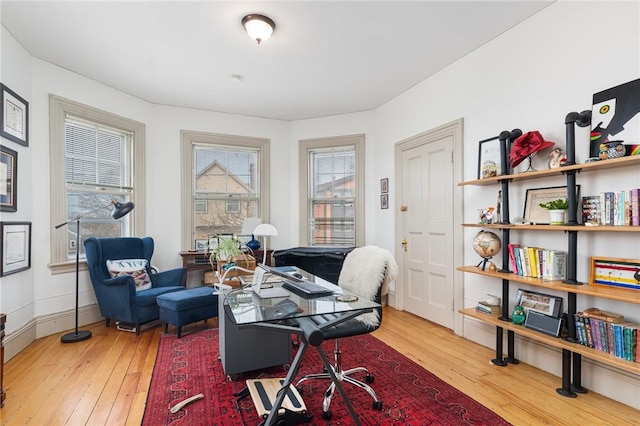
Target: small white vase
556 217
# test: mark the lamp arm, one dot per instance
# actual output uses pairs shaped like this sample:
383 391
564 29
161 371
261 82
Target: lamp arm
80 216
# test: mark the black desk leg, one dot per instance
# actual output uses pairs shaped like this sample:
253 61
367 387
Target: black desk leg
565 390
498 359
272 419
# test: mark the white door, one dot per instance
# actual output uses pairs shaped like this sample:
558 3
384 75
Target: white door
426 226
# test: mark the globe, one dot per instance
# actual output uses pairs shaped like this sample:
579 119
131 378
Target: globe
486 244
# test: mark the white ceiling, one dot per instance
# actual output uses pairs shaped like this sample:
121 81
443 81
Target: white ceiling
324 58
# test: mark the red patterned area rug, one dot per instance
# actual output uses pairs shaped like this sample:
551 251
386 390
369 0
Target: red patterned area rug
410 394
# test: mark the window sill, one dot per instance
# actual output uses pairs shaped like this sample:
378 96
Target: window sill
66 267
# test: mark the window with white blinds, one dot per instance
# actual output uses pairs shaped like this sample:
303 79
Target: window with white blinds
333 172
96 157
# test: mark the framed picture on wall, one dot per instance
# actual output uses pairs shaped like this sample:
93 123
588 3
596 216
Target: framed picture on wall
384 201
384 185
8 179
15 116
15 247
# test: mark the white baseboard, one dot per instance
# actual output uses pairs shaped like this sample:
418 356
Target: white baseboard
47 325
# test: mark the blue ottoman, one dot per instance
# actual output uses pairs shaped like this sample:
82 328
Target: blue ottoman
183 307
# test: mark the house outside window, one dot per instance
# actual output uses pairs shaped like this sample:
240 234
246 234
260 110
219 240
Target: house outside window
228 175
96 157
332 170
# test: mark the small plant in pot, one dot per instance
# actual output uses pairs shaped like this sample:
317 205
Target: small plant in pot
557 209
228 252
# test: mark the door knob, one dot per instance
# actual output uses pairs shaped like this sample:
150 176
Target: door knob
404 244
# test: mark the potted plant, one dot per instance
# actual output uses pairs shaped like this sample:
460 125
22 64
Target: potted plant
557 209
228 252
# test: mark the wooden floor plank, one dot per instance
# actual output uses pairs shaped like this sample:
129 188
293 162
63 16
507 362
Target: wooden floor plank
105 380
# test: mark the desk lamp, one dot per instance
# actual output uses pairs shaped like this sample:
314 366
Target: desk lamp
265 230
119 210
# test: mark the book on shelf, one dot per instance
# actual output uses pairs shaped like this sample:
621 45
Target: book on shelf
635 207
488 309
591 210
603 315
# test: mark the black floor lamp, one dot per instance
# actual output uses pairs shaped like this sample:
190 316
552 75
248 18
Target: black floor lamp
119 210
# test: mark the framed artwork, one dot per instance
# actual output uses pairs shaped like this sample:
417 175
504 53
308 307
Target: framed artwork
615 116
15 116
384 201
489 158
537 215
201 245
8 179
15 247
384 185
616 272
539 302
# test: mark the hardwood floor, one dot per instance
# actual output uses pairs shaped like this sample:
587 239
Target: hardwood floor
104 380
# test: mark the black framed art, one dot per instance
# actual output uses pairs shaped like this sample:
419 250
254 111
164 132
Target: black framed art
8 179
489 158
15 116
15 247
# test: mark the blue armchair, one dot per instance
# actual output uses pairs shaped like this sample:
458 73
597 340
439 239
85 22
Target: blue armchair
117 296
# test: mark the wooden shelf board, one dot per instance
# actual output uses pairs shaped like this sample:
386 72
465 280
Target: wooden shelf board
556 342
585 167
578 228
605 292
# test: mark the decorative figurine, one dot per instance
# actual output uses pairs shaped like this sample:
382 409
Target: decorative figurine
498 209
557 158
519 315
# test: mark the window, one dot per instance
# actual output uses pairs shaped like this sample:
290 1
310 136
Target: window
96 157
229 176
332 191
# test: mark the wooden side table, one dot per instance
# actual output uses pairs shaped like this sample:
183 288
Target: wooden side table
3 319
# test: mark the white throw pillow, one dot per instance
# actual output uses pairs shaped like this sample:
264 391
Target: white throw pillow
137 268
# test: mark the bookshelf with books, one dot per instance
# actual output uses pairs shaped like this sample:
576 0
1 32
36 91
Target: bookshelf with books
572 344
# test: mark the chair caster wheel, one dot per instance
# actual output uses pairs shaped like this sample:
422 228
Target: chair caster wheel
326 415
369 378
377 405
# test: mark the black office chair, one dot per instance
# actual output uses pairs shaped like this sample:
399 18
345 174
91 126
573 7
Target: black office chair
366 272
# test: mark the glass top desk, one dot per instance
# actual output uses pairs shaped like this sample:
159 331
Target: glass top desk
248 310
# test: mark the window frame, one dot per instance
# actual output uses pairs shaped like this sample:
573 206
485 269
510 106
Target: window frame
59 108
304 148
190 138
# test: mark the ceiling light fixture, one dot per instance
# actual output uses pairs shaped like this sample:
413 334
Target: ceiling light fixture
259 27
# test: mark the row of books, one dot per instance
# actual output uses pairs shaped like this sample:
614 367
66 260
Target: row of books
487 308
608 333
619 208
537 262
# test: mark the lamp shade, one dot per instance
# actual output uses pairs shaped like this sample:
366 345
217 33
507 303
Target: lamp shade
259 27
121 209
265 230
250 224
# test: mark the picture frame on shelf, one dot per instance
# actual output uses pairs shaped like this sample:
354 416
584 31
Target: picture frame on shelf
539 302
489 158
15 247
384 185
201 245
384 201
614 272
537 215
8 179
14 111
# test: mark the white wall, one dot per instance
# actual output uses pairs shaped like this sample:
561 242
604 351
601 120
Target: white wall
530 78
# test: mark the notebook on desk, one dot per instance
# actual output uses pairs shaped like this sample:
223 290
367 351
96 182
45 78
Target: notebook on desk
258 286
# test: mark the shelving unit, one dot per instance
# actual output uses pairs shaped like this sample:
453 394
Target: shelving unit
572 351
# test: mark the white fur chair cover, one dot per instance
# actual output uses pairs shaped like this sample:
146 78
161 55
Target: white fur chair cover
362 272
